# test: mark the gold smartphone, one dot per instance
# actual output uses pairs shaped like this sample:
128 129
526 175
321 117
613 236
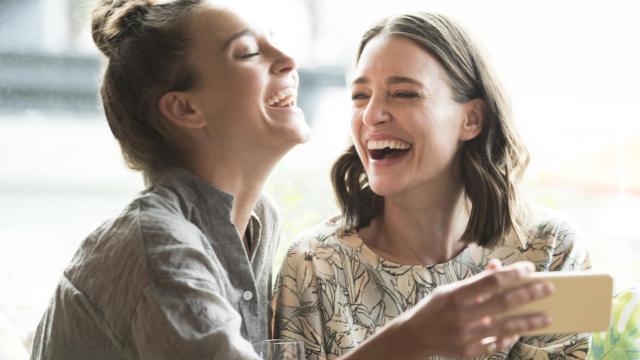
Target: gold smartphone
581 302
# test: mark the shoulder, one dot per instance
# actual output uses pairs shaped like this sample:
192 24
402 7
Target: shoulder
321 240
116 254
554 229
545 222
124 232
561 235
553 240
322 235
161 220
171 245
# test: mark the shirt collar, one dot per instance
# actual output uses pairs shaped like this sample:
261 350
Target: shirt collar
197 192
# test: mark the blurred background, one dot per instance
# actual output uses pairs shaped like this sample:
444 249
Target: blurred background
571 68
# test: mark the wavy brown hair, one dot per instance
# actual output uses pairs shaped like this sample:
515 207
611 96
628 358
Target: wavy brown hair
145 43
491 163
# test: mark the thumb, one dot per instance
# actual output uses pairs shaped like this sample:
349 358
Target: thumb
494 264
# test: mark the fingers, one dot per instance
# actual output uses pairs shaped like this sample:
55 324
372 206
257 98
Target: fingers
504 329
511 298
519 324
493 344
484 346
483 285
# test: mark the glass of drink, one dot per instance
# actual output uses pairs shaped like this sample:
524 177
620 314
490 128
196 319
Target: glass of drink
277 349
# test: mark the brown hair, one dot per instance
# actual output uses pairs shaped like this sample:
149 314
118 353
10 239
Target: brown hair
491 163
145 43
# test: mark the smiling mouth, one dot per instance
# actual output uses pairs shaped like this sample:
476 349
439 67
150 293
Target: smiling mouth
387 149
283 98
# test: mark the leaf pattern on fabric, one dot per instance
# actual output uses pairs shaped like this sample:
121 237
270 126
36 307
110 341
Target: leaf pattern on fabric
333 292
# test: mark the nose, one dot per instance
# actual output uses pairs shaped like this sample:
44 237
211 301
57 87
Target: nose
282 63
375 113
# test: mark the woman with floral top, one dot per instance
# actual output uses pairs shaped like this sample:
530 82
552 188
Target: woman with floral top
429 200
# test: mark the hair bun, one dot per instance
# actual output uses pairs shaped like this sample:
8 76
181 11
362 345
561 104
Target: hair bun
112 20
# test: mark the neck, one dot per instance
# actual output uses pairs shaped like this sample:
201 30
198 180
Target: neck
242 176
422 227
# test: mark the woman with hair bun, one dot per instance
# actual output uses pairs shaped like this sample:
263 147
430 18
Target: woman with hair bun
429 198
204 105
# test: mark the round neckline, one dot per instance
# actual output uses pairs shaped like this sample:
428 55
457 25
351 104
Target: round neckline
381 259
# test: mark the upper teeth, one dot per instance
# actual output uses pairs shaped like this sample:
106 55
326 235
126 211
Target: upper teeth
391 144
284 93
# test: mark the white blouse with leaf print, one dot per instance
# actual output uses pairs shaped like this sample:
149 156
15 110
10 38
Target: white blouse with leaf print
333 291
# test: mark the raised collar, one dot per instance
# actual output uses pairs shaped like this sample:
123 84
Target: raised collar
197 192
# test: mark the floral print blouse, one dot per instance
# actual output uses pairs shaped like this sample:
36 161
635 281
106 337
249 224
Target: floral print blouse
333 291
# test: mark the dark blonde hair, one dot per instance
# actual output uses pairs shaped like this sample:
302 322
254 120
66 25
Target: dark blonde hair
491 163
145 44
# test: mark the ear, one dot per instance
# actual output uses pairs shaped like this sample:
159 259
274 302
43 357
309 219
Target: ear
474 119
176 107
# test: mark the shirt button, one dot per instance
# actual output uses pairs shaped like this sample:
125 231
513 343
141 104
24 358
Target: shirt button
247 295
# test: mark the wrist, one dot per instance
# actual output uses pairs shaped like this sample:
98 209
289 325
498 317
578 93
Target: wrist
403 335
388 342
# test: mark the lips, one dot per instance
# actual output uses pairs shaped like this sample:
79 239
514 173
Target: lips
387 149
283 98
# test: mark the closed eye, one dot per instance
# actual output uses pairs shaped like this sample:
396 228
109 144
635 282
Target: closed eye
248 55
406 94
358 96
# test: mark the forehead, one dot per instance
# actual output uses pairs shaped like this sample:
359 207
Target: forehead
214 24
385 56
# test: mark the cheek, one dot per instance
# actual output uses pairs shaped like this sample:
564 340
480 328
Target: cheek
441 143
239 88
247 88
356 129
356 123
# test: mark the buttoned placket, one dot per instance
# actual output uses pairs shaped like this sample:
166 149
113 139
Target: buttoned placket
228 246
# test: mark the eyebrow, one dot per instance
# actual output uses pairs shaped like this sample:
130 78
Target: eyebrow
235 36
391 81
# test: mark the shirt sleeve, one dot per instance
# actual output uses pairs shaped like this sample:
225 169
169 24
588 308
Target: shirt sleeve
184 313
569 254
296 303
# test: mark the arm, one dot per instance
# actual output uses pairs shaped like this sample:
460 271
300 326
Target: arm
456 319
452 321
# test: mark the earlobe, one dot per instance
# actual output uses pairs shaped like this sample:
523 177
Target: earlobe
474 119
177 109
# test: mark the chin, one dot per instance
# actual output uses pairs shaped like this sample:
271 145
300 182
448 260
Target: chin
293 130
384 187
301 135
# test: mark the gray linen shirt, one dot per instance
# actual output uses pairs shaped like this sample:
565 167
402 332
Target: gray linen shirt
168 278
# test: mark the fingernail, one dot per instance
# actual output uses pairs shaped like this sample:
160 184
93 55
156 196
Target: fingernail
548 288
530 267
546 319
526 270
